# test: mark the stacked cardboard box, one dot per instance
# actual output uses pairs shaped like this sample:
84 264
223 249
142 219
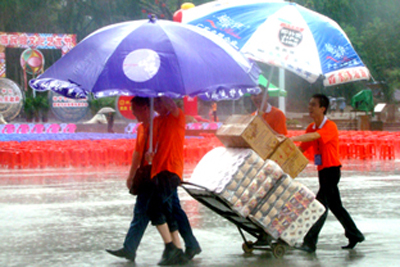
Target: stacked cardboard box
248 132
289 157
244 131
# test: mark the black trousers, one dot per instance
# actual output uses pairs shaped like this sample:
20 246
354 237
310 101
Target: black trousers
161 208
329 196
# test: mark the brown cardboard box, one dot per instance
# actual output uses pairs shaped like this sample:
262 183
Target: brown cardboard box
247 131
289 158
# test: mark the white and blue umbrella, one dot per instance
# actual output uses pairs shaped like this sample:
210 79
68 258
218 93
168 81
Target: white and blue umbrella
283 34
151 58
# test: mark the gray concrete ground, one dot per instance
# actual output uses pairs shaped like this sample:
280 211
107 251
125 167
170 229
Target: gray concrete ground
67 217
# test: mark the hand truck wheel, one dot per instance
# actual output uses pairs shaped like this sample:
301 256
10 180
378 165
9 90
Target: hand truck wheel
248 247
278 250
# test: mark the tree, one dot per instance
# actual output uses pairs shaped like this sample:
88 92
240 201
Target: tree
371 25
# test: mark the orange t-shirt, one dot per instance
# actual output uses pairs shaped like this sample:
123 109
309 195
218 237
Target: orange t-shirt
327 145
276 119
169 138
141 140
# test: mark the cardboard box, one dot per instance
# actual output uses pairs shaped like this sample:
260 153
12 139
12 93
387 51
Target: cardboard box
245 131
289 158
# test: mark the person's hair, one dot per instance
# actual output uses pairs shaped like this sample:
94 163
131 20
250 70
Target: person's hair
141 101
323 101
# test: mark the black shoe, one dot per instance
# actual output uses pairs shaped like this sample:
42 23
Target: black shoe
182 258
122 253
306 248
171 255
353 243
191 252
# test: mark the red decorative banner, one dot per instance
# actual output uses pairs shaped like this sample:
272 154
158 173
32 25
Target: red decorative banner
124 107
190 105
65 42
346 75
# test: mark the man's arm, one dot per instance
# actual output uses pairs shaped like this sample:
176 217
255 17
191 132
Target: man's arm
132 171
170 106
306 137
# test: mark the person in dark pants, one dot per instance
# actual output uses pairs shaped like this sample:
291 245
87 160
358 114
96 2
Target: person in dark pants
140 108
166 174
323 136
141 220
110 122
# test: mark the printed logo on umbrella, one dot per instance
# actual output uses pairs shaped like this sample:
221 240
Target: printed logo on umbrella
225 27
337 58
141 65
290 35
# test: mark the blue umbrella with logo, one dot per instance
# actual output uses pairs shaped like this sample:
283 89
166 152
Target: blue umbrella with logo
283 34
150 58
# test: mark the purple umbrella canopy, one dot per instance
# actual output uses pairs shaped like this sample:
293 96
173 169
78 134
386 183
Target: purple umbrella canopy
151 58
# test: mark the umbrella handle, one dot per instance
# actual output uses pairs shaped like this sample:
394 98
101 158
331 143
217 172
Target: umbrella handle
264 99
151 124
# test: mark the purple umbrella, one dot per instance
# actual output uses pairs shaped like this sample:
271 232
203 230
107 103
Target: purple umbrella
150 59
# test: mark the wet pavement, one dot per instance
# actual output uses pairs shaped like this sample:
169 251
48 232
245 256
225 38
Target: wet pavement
67 217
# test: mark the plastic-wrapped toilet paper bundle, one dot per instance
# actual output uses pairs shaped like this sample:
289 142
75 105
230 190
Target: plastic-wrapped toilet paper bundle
258 188
227 171
236 192
268 213
289 211
303 223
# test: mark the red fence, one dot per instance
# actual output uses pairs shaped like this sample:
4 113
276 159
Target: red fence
364 145
83 153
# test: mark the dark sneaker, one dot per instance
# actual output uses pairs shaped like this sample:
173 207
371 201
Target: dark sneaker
122 253
353 243
181 259
306 248
191 252
171 255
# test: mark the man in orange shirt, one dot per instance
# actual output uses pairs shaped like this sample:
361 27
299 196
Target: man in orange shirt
272 115
141 109
167 173
323 136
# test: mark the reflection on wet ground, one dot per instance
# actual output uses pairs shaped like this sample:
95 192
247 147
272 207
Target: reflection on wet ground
67 217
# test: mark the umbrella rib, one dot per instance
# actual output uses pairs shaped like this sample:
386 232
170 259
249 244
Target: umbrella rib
174 50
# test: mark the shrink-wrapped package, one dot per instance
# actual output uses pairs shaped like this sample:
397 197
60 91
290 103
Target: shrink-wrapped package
303 223
258 188
227 172
288 211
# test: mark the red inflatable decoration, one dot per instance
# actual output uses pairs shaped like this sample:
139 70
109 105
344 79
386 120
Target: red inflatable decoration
177 17
179 13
